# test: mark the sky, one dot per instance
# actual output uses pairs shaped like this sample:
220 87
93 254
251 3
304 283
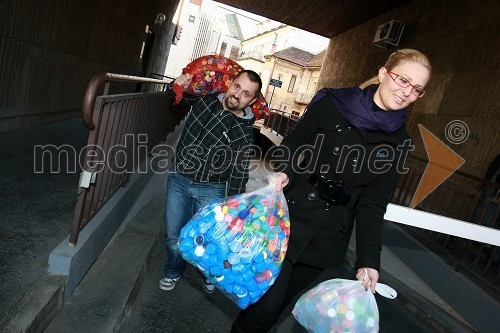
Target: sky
315 43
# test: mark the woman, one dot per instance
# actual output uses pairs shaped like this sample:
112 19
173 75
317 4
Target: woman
355 144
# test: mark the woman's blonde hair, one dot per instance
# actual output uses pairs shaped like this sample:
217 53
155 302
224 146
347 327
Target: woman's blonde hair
397 58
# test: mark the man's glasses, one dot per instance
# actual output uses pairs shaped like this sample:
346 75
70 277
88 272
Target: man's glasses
404 83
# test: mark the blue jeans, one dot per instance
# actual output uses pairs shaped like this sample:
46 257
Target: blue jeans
184 198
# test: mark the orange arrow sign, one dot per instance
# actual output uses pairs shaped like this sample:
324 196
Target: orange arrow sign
443 161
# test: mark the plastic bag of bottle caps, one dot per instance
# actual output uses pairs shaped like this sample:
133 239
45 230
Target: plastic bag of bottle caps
239 243
338 305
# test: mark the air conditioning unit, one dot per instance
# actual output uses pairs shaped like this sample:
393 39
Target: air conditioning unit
388 34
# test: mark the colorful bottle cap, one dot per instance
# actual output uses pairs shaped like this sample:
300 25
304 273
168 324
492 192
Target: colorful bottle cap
235 246
199 251
210 249
245 255
199 239
233 258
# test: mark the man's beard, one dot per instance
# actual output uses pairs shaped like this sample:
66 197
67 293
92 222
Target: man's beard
230 106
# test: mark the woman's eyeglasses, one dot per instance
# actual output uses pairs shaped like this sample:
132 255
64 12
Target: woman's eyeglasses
404 83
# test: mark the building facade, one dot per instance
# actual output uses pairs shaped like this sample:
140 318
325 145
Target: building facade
277 53
207 28
296 72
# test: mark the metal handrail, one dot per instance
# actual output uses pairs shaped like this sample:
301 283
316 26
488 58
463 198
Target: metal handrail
94 84
270 121
111 118
164 76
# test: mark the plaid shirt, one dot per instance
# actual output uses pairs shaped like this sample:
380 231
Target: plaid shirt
215 144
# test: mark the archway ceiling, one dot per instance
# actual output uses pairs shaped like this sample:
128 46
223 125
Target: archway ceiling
323 17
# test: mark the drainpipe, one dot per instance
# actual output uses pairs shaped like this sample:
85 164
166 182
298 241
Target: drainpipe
273 49
275 43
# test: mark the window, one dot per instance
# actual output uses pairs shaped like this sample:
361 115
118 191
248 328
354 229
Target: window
233 54
292 83
232 23
223 49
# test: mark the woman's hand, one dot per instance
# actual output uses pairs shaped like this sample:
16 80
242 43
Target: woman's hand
183 80
368 277
281 180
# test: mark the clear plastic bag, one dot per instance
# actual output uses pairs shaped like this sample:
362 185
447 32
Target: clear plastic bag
239 243
338 305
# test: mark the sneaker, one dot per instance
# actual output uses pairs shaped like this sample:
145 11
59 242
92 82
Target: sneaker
168 284
207 285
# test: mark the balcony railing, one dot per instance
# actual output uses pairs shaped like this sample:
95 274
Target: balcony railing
302 98
252 55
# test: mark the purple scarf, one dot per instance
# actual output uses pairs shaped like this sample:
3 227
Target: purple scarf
357 107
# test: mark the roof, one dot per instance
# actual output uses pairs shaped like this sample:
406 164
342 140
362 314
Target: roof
301 57
294 55
317 60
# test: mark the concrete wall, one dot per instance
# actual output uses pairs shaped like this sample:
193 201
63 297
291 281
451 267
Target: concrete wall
461 39
49 51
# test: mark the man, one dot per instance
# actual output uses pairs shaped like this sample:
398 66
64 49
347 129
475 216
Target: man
211 160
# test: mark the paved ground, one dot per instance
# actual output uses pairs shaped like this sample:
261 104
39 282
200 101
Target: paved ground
36 208
36 212
187 308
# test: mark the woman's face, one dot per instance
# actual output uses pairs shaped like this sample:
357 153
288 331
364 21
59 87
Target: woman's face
391 96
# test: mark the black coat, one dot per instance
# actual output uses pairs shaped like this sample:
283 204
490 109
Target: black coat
320 231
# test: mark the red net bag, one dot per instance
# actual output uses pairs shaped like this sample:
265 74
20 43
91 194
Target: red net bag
213 74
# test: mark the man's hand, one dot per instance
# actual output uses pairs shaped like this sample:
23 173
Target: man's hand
281 180
183 80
